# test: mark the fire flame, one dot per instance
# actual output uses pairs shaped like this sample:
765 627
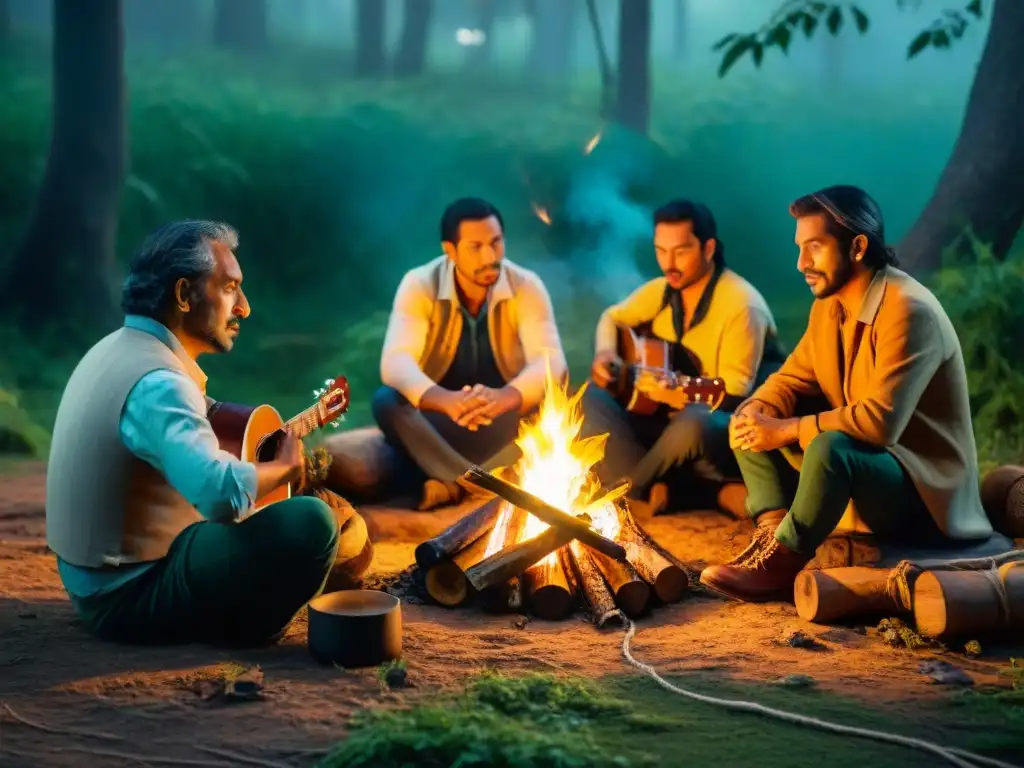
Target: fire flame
594 141
557 467
541 213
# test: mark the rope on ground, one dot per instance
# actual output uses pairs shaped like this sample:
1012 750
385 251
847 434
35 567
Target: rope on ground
900 584
957 757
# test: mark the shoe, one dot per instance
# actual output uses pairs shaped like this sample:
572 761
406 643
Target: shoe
767 522
764 576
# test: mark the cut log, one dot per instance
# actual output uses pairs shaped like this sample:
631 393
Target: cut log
551 587
631 592
459 535
592 586
835 594
1002 496
446 581
514 559
970 603
556 518
507 595
669 579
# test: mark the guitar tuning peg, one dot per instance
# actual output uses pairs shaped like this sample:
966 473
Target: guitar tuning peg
328 382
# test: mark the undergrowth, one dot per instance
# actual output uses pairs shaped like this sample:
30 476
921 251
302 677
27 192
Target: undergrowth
536 721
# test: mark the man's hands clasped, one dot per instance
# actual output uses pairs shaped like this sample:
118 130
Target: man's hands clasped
751 429
478 406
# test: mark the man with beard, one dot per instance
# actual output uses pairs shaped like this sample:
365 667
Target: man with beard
150 520
717 324
891 429
466 354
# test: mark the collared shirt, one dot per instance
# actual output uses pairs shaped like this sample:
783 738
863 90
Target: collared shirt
164 423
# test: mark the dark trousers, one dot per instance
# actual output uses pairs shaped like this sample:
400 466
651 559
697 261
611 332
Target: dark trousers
646 448
835 470
227 584
430 445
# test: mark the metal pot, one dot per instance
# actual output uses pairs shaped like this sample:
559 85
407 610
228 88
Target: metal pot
355 628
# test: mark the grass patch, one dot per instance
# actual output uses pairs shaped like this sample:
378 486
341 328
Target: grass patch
543 720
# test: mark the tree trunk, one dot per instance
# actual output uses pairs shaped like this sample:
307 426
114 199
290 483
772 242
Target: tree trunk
370 59
983 183
680 24
603 60
479 56
633 100
62 272
412 51
551 42
5 20
241 25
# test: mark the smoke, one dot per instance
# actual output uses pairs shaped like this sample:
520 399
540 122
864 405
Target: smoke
615 226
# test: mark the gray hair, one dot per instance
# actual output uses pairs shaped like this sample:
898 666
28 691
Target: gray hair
181 249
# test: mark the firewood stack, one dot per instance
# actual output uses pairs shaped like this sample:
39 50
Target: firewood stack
483 559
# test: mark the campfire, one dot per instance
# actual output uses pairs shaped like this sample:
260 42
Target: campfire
552 535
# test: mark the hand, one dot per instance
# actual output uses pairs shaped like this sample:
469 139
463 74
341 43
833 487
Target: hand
605 368
753 431
486 404
660 389
290 453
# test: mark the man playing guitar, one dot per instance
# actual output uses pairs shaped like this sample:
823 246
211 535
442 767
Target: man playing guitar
148 514
712 325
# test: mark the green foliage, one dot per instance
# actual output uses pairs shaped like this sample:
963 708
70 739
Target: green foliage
795 16
536 721
19 433
982 298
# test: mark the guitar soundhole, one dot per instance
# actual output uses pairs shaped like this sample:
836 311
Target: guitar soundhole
267 448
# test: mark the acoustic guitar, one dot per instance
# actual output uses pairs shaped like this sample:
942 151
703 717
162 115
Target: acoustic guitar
648 354
253 432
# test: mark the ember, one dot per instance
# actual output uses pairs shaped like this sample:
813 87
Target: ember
507 557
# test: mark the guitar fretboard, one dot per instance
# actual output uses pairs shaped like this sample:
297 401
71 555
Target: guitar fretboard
305 423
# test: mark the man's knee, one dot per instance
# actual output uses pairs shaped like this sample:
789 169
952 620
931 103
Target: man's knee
386 402
684 433
305 527
828 452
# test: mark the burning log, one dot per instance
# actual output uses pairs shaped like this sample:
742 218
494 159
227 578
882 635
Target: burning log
576 527
669 580
834 594
970 603
631 592
446 581
507 595
551 586
458 536
513 560
595 591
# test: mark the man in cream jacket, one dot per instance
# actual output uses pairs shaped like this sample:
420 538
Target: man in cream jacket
466 355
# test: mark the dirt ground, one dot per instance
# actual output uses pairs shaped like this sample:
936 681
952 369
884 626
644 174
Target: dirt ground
67 699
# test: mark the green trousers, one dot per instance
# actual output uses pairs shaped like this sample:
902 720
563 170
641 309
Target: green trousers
225 584
836 469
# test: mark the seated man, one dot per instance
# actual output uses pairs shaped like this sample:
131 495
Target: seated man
896 440
466 354
147 516
717 324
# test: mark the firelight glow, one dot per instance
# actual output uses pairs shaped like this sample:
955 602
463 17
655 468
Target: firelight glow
470 37
557 467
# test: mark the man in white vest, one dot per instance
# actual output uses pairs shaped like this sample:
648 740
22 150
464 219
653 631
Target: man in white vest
146 514
466 354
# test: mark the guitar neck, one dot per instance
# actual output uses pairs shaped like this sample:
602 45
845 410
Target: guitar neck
305 423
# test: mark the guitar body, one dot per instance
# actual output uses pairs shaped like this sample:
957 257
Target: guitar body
645 351
251 433
639 353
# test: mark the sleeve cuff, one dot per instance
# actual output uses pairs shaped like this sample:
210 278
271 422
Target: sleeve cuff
807 431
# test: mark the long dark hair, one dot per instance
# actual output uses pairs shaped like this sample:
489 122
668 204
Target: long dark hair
849 211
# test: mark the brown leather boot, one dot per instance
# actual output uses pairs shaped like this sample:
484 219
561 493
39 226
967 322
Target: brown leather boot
766 575
767 522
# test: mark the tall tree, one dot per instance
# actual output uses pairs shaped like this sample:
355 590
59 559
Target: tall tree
412 49
241 25
554 31
5 19
982 185
633 94
370 26
680 28
62 272
485 11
